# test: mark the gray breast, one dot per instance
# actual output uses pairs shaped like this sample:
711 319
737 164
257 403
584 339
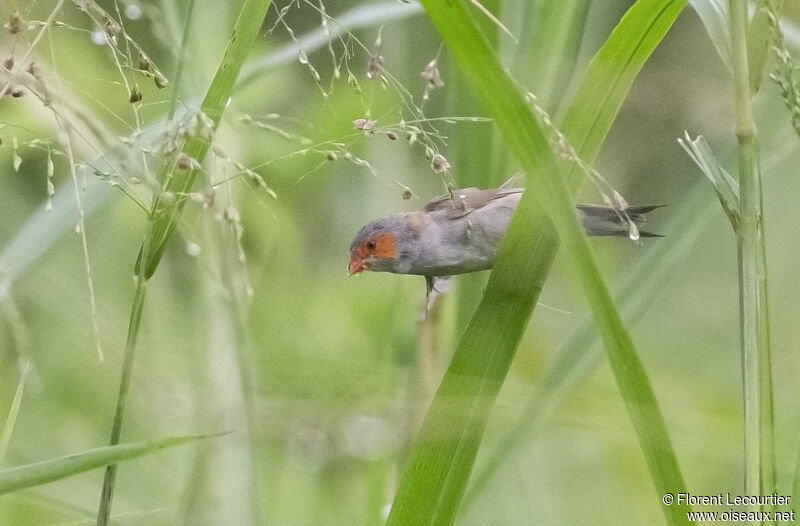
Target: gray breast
456 243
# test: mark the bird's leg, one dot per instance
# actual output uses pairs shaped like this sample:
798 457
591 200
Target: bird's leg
436 285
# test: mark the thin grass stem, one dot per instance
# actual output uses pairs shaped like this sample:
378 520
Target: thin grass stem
759 476
173 99
122 398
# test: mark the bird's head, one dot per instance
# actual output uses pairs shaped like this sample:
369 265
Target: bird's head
375 247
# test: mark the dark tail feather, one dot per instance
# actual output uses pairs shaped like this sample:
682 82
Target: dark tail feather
607 221
642 209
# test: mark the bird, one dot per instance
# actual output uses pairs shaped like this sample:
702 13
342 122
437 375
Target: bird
461 232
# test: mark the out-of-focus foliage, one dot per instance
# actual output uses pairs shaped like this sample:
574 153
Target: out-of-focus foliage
328 367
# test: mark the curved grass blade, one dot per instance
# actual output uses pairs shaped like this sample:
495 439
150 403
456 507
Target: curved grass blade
30 475
714 15
164 216
610 76
577 357
555 30
360 17
441 461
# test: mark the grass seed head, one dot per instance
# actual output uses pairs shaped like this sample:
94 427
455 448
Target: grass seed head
33 69
184 162
365 125
136 95
439 163
14 22
144 62
112 29
433 78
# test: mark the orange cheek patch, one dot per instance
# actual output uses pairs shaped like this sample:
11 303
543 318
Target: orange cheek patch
386 247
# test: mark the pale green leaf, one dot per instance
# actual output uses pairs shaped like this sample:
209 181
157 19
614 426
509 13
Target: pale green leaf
29 475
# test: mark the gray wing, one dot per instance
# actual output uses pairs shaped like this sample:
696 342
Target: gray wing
465 200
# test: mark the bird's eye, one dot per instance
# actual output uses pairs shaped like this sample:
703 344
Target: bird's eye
371 245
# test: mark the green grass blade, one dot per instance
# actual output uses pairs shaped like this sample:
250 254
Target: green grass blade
441 461
714 15
164 216
13 412
611 74
555 44
444 452
577 357
31 475
555 31
178 80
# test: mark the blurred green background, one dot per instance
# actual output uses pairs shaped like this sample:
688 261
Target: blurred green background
320 375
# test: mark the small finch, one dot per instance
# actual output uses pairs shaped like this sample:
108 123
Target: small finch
462 233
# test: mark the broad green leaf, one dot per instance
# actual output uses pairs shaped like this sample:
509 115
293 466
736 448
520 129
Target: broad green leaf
442 458
30 475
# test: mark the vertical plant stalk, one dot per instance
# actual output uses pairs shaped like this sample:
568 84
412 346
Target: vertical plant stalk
110 477
164 216
759 452
187 26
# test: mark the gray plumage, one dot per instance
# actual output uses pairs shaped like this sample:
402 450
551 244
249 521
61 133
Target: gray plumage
462 233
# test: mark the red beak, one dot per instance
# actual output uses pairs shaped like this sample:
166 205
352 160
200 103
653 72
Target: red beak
355 266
